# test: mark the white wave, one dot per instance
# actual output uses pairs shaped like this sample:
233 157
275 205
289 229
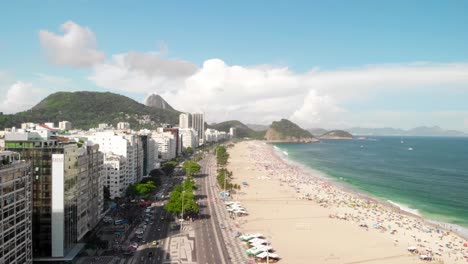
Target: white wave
405 208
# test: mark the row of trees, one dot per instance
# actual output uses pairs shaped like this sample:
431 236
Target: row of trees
224 175
224 179
221 155
182 200
191 167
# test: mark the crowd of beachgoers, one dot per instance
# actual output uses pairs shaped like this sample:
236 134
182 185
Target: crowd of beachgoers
420 237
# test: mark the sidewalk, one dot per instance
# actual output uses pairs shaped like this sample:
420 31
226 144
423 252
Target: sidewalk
235 249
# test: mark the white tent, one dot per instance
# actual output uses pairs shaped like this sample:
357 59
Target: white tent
257 241
265 254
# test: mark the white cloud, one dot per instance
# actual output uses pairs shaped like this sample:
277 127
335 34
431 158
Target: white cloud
19 97
265 93
77 47
142 73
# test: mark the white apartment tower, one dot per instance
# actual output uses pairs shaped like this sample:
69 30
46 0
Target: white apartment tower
123 126
189 137
115 174
185 120
166 145
65 125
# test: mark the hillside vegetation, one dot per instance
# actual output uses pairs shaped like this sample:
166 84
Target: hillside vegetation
285 130
242 130
87 109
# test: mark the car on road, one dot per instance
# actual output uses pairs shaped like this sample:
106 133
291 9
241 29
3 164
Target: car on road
155 243
150 254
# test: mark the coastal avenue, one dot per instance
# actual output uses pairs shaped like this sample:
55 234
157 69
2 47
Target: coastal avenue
209 244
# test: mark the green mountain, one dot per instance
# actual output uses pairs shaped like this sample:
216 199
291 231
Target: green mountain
337 134
285 130
88 109
242 130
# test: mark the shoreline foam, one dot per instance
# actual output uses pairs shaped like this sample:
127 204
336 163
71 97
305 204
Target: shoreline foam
459 230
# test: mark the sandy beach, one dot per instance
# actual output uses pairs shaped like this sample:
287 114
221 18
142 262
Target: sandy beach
309 220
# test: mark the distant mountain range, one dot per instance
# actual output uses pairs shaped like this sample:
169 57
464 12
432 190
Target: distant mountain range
418 131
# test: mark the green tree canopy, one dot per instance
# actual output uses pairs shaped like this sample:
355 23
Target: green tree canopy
168 167
221 155
189 150
141 189
191 167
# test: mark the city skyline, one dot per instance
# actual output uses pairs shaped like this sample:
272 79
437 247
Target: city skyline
320 65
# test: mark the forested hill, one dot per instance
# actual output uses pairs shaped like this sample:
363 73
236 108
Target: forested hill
242 130
287 131
87 109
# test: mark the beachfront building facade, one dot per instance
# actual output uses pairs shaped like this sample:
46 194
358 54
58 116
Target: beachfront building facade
15 209
63 200
213 135
189 138
127 145
166 145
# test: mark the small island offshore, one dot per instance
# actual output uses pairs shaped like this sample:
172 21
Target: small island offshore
337 134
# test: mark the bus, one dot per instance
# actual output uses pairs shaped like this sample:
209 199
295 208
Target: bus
120 222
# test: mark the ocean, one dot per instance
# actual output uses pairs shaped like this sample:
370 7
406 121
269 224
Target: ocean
424 175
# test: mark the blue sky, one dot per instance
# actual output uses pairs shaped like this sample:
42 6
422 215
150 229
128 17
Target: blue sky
329 38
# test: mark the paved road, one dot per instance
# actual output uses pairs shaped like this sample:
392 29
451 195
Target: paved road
209 244
157 231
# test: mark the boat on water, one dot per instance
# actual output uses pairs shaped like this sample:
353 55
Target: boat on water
362 146
410 148
286 153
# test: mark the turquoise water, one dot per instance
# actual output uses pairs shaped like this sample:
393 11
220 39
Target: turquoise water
432 178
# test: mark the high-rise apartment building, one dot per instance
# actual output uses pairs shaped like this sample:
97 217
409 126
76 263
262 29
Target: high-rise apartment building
115 174
189 137
198 123
166 145
65 207
90 204
185 120
15 209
